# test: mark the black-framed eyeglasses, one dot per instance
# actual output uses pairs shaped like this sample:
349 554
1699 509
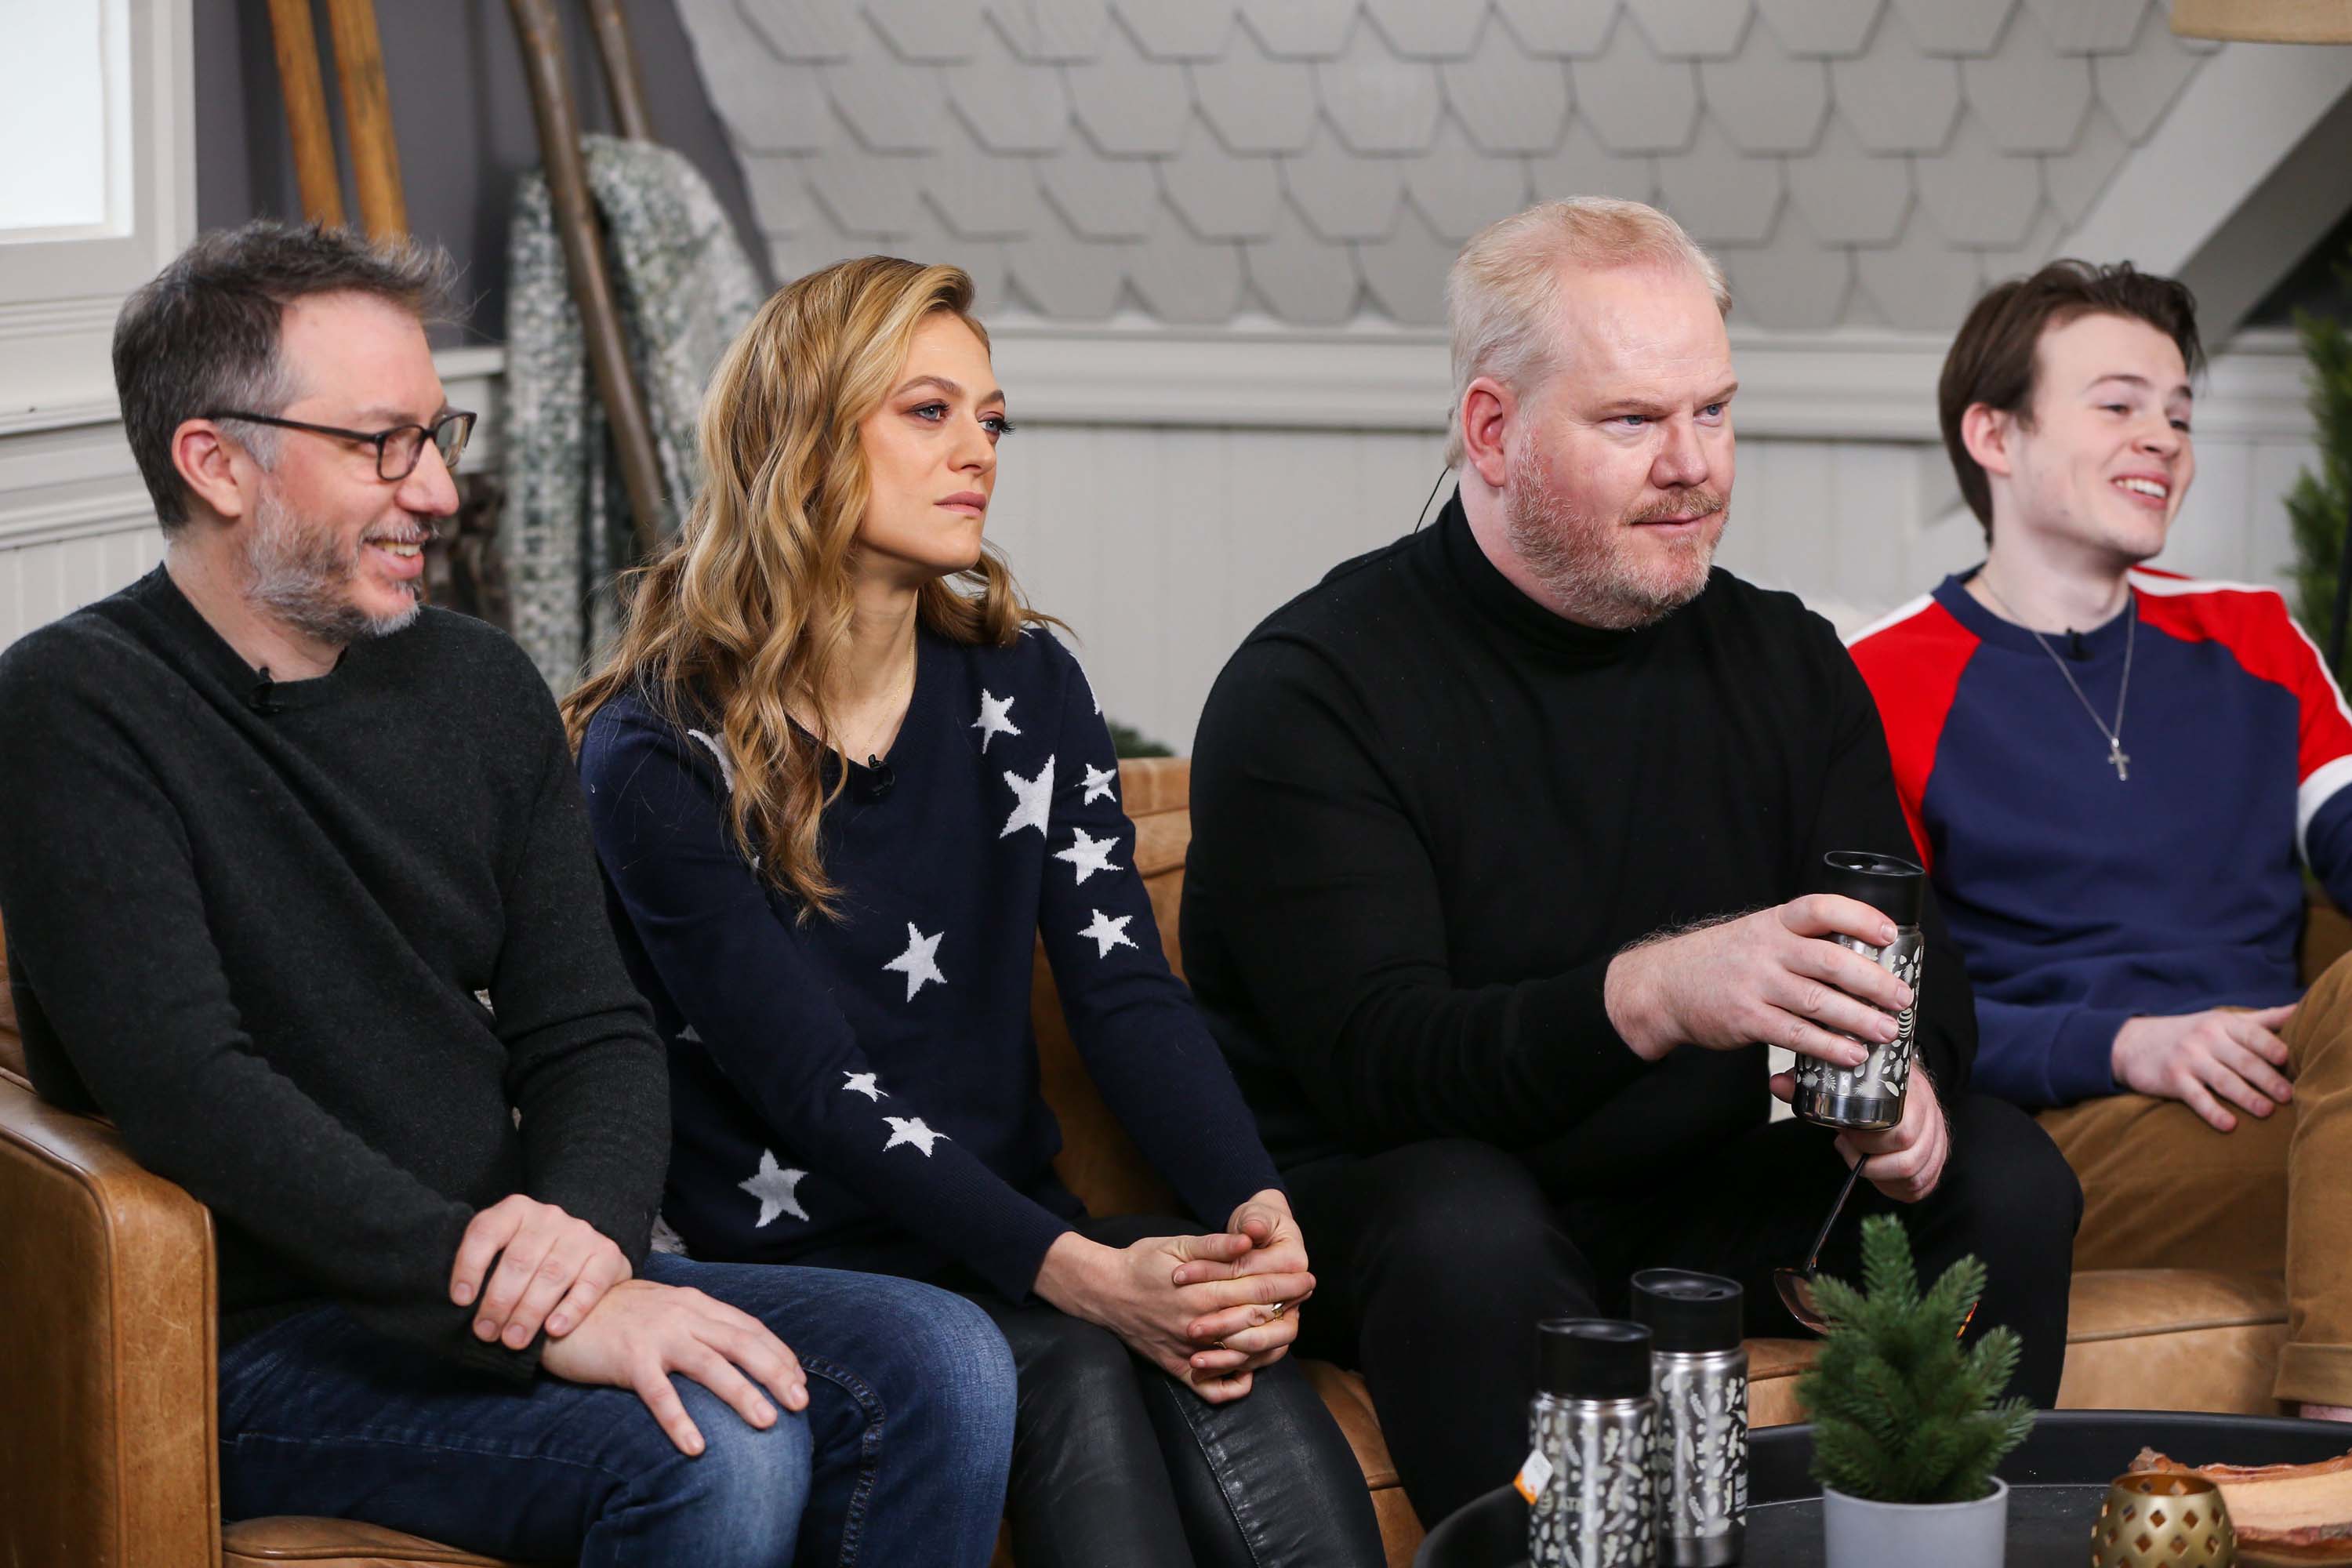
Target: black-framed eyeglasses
397 450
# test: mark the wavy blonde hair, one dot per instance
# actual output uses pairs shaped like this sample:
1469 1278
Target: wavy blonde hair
746 612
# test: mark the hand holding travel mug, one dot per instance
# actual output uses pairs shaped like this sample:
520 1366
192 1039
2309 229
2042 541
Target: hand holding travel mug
1869 1098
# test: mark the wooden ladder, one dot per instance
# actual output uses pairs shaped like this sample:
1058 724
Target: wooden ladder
384 209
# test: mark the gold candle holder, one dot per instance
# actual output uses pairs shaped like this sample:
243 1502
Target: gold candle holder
2152 1518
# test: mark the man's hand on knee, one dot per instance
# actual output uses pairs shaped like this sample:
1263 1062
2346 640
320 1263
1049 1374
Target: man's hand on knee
641 1332
551 1269
1906 1159
1765 976
2210 1060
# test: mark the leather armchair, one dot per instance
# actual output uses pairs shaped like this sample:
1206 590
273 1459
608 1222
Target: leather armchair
109 1452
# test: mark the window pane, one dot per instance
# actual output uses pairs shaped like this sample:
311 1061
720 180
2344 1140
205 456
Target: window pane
53 113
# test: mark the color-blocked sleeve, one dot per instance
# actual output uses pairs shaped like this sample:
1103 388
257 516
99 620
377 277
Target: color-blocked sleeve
751 992
2038 1055
2253 623
1912 662
1145 1043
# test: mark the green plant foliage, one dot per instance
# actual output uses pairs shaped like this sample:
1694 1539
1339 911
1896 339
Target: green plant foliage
2320 504
1901 1412
1126 742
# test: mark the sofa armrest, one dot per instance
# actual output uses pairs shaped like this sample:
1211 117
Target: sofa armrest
107 1295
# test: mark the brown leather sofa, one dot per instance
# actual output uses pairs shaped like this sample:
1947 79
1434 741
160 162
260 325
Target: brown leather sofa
108 1445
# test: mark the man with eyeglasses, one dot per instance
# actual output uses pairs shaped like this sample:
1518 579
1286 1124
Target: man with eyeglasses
297 889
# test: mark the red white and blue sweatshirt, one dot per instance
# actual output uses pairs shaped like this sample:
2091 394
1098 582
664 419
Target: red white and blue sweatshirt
2081 900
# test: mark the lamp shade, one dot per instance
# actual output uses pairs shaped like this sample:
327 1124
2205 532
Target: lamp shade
2265 21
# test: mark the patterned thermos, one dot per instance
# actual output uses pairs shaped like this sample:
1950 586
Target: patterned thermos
1870 1096
1591 1431
1700 1369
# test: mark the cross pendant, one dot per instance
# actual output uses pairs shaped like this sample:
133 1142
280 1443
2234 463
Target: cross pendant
2117 755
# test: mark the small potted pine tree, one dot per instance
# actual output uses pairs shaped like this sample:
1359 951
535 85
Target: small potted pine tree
1906 1425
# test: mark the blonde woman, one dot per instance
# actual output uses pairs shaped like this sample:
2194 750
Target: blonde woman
840 777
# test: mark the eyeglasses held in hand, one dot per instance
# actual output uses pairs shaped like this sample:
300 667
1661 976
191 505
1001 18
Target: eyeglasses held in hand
397 450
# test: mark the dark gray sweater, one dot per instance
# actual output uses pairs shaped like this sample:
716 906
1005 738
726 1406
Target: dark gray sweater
254 923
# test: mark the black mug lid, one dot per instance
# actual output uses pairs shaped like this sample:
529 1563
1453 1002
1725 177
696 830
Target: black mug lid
1595 1358
1888 883
1686 1310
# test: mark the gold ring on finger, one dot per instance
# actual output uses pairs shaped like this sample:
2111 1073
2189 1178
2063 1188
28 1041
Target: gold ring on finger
1276 1310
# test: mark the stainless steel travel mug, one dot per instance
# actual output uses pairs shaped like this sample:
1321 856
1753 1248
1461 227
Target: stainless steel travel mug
1699 1370
1870 1096
1591 1431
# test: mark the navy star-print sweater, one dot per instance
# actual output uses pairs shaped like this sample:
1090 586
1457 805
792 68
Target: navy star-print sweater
866 1087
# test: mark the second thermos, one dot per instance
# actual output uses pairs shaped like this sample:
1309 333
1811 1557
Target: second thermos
1699 1373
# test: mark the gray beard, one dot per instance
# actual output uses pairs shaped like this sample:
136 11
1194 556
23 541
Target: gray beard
303 577
1581 561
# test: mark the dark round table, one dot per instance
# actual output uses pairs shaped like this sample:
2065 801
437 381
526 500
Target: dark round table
2056 1478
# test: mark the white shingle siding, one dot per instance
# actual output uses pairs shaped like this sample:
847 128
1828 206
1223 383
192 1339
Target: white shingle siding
1855 163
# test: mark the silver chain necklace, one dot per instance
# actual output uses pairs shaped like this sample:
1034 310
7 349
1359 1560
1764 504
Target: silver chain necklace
2116 755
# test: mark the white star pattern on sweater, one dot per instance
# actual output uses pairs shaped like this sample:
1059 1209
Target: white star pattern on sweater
1101 784
1107 932
993 719
910 1130
718 754
1032 800
773 1187
918 963
1089 855
863 1083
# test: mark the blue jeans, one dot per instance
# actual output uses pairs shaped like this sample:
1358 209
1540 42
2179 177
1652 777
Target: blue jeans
898 1459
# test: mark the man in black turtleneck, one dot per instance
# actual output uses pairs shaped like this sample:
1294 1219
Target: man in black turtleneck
1503 842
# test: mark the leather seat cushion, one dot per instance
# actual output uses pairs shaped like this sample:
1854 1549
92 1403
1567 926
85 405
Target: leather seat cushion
12 1048
2173 1339
253 1543
1773 1368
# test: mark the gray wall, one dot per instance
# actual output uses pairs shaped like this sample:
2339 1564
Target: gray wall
460 114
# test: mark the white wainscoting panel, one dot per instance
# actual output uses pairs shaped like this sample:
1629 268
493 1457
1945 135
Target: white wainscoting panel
76 522
1163 547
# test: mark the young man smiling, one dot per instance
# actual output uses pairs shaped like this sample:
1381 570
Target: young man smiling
2112 773
299 890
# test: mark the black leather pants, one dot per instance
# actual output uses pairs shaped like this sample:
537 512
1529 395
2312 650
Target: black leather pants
1118 1464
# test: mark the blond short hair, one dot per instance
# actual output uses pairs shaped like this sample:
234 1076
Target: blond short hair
1503 296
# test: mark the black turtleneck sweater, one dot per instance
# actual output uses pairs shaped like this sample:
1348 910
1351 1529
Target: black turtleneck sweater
1427 812
332 953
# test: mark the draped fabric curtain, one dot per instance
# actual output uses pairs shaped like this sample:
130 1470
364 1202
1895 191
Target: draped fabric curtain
685 289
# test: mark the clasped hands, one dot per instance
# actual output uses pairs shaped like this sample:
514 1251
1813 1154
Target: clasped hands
1209 1310
1768 976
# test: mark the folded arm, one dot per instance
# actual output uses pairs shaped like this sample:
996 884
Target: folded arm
1144 1043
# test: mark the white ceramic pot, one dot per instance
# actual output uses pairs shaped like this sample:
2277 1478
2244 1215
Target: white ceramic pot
1859 1533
